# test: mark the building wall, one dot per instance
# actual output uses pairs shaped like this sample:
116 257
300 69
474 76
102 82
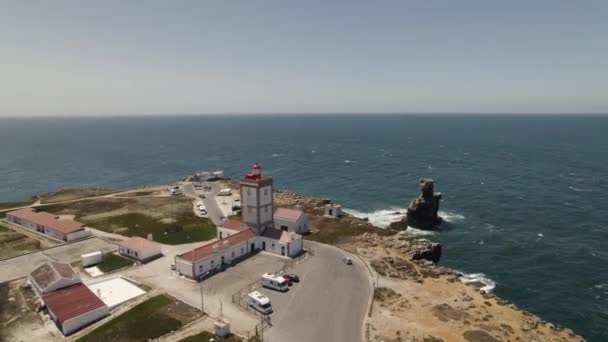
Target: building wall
300 226
256 206
141 254
214 261
224 232
54 233
73 324
81 234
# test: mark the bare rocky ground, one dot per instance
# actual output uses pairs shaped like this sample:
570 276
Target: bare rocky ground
419 301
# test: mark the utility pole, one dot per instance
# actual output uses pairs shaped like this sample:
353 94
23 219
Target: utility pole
202 299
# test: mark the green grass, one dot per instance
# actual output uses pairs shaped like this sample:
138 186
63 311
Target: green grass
113 262
10 205
191 233
3 229
143 322
194 229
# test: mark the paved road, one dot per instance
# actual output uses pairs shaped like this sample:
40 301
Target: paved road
329 303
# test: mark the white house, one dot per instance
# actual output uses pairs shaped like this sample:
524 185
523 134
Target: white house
74 307
49 224
52 276
215 255
333 210
139 248
281 242
291 220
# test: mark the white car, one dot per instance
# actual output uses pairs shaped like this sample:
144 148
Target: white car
348 260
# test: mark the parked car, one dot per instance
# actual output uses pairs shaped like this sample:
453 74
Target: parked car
288 280
348 260
203 212
201 196
172 267
293 277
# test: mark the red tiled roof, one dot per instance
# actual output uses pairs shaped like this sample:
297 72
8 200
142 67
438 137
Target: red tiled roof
50 272
207 250
138 243
71 302
232 225
279 235
288 214
48 220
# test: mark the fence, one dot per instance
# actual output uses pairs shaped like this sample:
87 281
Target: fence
239 297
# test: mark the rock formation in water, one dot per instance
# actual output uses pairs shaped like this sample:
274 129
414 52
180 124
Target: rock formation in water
422 211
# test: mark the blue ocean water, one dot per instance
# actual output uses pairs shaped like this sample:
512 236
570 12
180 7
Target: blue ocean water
525 197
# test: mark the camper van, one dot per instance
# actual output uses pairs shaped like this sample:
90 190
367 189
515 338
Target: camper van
259 302
225 192
274 282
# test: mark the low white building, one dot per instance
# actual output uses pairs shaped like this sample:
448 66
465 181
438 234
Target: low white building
333 210
230 227
291 220
215 255
52 276
139 248
281 242
49 224
74 307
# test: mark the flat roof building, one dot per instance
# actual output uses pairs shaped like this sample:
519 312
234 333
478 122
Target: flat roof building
291 220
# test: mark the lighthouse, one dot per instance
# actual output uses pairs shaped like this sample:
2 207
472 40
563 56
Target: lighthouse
256 200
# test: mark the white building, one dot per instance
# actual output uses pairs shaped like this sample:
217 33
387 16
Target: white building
52 276
49 224
139 248
238 240
291 220
214 256
74 307
333 210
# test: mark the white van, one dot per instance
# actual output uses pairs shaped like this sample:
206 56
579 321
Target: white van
259 302
274 282
225 192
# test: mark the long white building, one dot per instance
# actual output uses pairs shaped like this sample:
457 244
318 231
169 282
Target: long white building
49 224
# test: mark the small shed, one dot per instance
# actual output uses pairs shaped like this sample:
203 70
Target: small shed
291 220
91 259
140 248
333 210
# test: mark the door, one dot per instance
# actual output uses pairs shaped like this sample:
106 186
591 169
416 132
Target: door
283 250
222 260
263 245
252 248
331 212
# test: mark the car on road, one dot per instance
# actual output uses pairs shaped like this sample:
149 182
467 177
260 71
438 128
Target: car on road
201 196
288 280
348 260
293 277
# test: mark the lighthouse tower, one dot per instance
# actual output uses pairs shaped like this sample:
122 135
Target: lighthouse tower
256 200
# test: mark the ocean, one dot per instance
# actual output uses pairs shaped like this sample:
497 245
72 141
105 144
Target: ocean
525 198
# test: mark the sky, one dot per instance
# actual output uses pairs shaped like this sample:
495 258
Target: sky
185 57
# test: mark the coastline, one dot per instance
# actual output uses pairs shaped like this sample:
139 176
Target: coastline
412 299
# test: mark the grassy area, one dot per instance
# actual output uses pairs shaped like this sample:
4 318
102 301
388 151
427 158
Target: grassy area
113 262
206 336
139 217
73 194
149 320
335 231
10 205
13 243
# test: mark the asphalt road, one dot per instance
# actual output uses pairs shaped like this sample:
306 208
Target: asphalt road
329 303
213 210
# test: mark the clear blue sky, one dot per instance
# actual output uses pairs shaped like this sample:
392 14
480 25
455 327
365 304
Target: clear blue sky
121 57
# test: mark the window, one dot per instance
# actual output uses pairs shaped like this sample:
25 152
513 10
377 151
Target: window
265 209
200 268
232 254
248 192
249 210
265 192
211 262
135 253
242 250
273 246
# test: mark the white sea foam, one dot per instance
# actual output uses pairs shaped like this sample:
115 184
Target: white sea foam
488 284
576 189
418 232
274 155
450 216
347 161
382 218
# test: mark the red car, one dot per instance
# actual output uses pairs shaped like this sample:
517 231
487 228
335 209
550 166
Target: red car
288 280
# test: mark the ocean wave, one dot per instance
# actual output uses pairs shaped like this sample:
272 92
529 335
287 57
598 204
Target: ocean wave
382 218
417 232
274 155
486 284
577 189
451 217
348 161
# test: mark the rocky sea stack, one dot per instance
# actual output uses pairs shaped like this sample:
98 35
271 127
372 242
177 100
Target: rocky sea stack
422 212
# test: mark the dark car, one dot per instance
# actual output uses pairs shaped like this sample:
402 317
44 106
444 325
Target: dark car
293 277
287 280
201 196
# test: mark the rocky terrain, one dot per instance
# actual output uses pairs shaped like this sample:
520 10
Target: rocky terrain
422 213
